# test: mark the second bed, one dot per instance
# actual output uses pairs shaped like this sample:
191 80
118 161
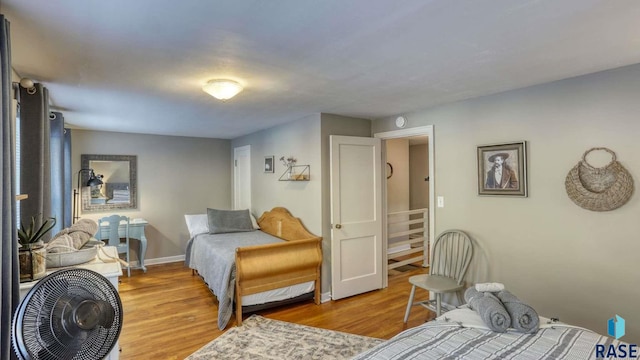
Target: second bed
277 263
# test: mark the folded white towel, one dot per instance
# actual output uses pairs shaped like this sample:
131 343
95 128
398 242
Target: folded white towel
489 287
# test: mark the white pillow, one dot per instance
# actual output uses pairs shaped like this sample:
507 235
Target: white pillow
199 224
254 222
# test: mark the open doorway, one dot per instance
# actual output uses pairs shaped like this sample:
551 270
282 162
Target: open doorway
407 203
408 199
242 177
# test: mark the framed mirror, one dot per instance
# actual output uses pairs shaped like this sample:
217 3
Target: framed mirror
118 190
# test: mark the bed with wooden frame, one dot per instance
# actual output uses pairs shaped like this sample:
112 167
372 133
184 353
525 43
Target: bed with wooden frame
267 267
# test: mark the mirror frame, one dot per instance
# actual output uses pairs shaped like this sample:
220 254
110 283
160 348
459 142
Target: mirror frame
85 194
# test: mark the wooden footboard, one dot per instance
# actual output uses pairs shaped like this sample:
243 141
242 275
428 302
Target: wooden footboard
272 266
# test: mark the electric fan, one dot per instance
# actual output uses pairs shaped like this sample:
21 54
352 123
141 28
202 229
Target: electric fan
69 314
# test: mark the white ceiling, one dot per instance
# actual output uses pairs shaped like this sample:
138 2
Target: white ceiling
137 66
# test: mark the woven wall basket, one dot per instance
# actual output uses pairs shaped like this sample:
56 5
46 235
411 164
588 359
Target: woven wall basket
599 189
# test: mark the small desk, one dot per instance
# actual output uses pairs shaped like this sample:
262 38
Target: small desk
110 270
136 231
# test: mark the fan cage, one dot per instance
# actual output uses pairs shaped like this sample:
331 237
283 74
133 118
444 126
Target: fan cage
38 331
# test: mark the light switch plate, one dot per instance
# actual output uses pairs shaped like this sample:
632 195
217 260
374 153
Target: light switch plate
440 201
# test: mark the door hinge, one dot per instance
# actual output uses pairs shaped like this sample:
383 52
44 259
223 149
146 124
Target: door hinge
235 163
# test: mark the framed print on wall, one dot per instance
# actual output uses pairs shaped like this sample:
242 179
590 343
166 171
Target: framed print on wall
502 169
268 164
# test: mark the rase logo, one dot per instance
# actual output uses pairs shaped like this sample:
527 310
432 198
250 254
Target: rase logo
615 328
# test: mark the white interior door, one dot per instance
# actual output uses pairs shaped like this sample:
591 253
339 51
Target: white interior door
356 215
242 177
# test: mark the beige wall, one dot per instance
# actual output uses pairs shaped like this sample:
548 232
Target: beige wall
398 185
176 176
419 170
300 139
568 262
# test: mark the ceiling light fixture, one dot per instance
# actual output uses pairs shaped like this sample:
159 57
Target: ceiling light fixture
222 89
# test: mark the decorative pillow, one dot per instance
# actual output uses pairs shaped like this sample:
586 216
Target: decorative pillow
197 224
227 221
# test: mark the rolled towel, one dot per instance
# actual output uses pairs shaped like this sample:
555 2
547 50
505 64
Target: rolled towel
490 287
490 309
80 233
85 225
523 317
61 244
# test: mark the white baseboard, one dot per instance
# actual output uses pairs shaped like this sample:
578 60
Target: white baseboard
325 297
162 260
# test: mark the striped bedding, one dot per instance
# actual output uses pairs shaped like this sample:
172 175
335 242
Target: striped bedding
445 338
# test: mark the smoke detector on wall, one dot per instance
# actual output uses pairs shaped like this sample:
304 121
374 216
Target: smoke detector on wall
401 121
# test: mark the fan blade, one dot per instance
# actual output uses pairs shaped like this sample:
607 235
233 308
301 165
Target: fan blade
71 313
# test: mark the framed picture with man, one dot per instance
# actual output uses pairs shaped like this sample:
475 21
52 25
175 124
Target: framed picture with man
502 169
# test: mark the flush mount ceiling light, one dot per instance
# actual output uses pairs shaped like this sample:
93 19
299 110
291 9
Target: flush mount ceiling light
222 89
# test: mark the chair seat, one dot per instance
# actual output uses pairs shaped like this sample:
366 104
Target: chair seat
435 283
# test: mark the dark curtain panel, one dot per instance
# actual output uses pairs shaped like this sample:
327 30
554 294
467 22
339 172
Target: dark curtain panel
68 179
35 173
10 279
56 149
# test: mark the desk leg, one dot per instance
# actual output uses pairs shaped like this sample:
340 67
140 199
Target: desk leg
142 251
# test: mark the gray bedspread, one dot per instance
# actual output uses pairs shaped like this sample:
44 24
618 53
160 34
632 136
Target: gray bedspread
440 339
213 256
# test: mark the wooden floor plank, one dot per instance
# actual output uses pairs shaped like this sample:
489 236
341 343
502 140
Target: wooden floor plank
170 313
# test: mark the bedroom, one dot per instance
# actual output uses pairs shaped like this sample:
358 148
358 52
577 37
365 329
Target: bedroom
568 262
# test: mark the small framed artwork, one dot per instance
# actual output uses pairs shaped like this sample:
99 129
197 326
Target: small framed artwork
502 169
268 164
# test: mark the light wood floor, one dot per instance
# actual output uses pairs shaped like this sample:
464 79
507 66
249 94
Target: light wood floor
169 313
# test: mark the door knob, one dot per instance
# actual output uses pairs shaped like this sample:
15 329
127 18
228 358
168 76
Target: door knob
338 226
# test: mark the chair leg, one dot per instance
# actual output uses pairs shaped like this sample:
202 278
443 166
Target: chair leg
128 265
409 304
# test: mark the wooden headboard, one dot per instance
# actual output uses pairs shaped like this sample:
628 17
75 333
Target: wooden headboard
280 223
271 266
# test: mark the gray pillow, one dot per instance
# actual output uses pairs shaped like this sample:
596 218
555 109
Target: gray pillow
227 221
